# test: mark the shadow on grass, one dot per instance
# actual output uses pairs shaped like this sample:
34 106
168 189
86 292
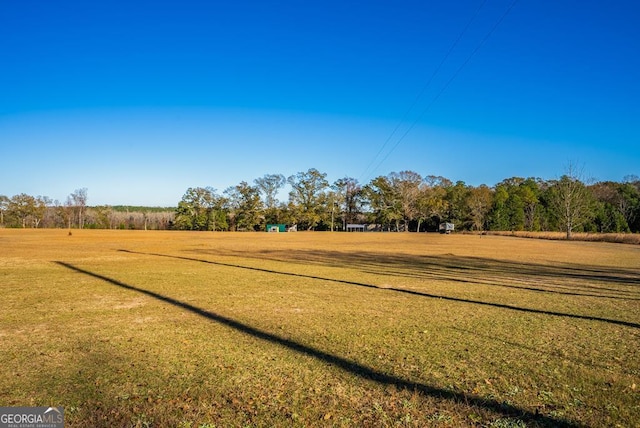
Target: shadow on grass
568 279
343 363
400 290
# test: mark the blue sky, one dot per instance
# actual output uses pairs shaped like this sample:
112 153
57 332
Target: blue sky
137 101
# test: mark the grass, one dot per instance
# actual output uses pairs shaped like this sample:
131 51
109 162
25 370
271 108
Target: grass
137 329
619 238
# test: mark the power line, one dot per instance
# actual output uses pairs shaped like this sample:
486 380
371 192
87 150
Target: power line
426 85
447 84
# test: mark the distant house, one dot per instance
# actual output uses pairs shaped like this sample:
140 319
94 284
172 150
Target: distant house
446 227
352 227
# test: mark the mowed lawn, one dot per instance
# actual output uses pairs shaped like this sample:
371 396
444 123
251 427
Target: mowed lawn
179 329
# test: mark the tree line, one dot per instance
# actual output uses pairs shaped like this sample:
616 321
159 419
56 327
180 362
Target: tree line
399 201
43 212
407 201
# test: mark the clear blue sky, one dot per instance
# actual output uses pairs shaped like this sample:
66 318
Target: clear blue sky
139 100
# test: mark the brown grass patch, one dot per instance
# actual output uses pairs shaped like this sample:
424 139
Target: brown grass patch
616 238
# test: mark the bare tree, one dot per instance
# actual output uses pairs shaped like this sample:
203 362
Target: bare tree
571 200
79 201
269 185
407 187
67 212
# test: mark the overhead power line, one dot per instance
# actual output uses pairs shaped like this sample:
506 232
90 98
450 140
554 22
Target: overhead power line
444 87
426 86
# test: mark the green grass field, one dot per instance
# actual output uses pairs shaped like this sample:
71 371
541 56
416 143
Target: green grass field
178 329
